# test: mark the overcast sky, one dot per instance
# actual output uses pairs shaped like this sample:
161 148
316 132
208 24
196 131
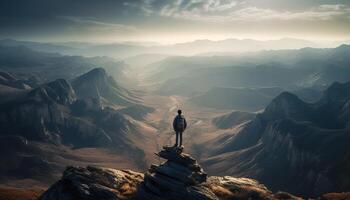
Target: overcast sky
170 21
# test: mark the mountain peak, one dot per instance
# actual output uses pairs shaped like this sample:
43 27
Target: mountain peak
91 84
98 70
286 105
286 98
96 73
97 84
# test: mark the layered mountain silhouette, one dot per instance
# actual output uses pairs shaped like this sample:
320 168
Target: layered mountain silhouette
55 114
292 141
305 67
248 99
128 49
245 99
51 66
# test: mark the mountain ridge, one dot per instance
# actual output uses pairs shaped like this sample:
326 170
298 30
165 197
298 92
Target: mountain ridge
289 138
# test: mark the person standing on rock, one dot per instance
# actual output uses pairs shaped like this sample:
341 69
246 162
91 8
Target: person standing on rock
179 126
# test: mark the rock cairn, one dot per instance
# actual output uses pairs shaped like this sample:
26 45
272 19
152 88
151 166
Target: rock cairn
179 177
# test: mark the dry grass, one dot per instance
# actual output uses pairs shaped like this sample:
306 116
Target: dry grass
7 193
336 196
221 192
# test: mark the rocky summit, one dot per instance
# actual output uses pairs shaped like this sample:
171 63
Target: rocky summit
179 177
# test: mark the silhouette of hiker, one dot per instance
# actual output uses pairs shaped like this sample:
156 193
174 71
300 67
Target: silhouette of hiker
179 126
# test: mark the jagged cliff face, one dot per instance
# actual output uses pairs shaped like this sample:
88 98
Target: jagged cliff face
292 146
50 126
180 177
44 115
42 107
53 114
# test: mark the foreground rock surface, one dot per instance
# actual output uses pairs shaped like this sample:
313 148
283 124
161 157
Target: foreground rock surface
179 177
94 183
100 183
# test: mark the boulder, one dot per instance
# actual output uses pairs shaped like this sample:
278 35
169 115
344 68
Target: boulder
94 183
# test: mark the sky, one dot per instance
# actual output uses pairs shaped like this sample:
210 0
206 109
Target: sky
173 21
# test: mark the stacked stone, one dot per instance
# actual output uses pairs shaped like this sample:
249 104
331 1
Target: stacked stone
176 178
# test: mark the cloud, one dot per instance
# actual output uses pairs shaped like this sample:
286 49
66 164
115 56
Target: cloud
322 12
92 23
236 10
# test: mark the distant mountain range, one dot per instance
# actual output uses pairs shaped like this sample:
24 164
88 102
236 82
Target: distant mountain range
292 140
236 98
248 99
127 49
283 68
51 66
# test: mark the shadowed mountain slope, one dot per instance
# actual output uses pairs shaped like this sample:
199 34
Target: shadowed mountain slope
292 146
232 119
97 84
42 128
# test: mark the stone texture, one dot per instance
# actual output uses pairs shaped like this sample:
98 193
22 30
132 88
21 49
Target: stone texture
94 183
180 177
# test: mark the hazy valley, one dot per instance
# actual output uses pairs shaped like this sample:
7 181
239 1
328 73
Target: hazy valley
281 117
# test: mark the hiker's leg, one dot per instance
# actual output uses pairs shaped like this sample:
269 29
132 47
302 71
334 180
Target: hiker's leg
177 138
180 139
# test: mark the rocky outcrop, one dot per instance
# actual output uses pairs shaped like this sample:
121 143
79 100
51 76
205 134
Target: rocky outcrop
94 183
179 177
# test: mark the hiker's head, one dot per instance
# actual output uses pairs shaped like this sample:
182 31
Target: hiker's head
179 112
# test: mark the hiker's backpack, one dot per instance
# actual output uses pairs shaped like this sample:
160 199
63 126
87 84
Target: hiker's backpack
180 123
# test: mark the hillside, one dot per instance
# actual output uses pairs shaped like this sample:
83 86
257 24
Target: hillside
44 127
98 85
290 140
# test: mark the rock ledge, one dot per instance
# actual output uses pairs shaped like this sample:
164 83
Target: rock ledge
179 177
